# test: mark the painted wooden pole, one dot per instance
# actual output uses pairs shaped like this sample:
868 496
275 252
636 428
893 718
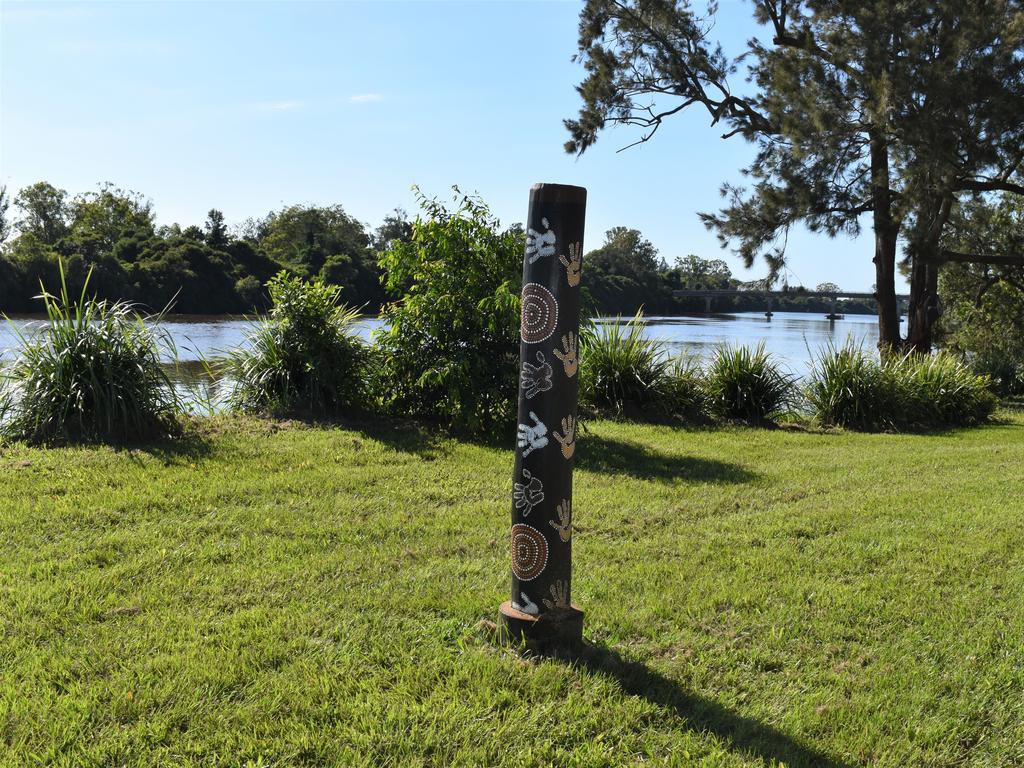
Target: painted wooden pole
541 610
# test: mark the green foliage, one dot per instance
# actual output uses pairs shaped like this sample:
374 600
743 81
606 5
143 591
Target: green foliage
450 349
748 385
851 388
682 391
305 357
92 373
983 304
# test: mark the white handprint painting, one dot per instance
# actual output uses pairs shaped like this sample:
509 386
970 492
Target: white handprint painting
536 378
527 494
539 244
527 606
532 437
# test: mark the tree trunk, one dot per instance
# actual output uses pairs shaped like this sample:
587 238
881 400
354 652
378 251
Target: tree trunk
886 232
924 274
924 303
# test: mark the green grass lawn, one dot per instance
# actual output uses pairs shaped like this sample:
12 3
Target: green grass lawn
276 594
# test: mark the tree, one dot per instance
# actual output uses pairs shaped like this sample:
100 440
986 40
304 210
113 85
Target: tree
100 219
696 273
5 222
623 274
396 226
44 212
305 236
828 288
856 108
216 230
984 302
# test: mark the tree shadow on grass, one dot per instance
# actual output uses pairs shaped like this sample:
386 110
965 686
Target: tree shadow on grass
743 733
190 446
606 455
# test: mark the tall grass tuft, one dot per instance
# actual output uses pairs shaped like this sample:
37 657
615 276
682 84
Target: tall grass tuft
93 373
748 385
848 387
682 392
941 390
304 358
851 388
620 369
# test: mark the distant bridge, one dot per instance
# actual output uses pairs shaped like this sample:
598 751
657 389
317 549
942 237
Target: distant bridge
770 296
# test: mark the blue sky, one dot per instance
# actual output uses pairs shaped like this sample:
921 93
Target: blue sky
250 106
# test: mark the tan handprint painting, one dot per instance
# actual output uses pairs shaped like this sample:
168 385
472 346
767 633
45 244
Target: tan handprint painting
567 437
564 522
573 265
559 595
570 361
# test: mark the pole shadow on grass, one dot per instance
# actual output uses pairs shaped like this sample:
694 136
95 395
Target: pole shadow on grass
606 455
744 734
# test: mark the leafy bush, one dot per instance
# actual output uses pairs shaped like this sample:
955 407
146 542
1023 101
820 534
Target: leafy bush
450 347
304 357
748 385
1004 369
92 373
851 388
620 369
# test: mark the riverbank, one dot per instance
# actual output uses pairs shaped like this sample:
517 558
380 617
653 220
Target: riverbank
272 593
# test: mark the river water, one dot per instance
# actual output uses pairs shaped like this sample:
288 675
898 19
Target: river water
794 337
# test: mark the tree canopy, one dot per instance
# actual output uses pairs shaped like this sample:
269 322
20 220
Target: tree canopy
867 107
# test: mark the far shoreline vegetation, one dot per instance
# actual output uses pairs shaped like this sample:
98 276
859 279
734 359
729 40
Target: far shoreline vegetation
218 270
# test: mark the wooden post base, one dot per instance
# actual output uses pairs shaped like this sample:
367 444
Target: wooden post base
554 630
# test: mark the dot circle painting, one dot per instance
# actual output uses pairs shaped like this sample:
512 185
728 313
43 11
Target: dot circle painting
529 552
539 314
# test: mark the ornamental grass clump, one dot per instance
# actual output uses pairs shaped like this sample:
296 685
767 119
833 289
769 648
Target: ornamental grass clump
682 391
941 390
621 371
749 385
305 357
849 388
92 373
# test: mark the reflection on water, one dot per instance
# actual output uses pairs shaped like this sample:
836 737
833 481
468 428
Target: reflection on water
792 336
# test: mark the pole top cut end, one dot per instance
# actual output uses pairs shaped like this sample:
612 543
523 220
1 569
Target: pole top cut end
558 193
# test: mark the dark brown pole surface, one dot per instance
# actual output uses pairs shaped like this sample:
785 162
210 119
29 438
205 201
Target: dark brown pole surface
541 610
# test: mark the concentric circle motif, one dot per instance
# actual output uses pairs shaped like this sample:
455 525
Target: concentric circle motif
529 552
540 313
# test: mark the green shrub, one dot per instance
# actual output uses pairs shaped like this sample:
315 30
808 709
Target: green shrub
748 385
851 388
449 350
304 357
1004 369
92 373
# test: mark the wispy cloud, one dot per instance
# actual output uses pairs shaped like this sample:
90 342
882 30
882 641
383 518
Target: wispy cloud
365 98
278 106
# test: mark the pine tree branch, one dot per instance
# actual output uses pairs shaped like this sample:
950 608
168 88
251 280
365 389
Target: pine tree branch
959 257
